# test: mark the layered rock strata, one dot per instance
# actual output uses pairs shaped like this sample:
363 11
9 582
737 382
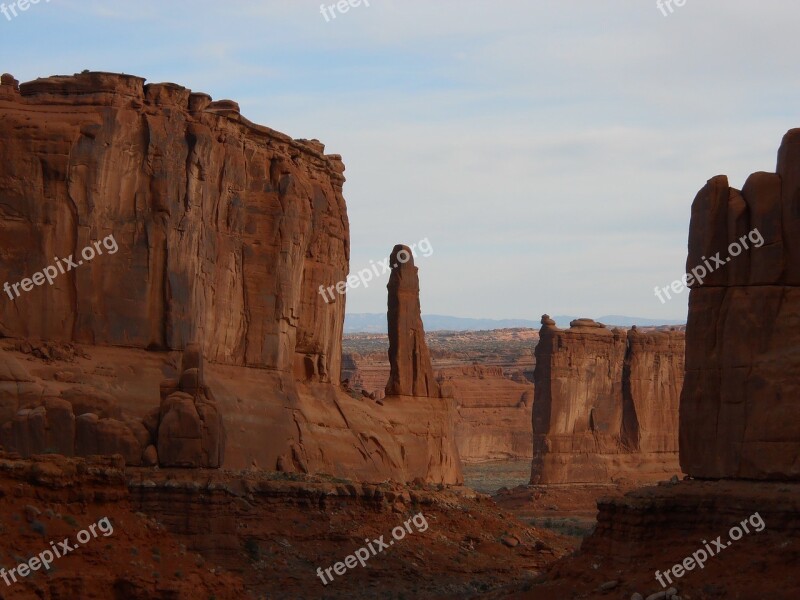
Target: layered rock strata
128 554
605 404
493 413
656 527
740 412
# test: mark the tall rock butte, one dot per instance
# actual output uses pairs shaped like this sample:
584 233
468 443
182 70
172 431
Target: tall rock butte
740 407
411 373
605 403
225 231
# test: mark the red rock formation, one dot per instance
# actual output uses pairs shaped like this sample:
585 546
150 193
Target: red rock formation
190 430
225 229
212 229
234 520
740 414
411 371
652 379
76 422
655 527
605 403
494 413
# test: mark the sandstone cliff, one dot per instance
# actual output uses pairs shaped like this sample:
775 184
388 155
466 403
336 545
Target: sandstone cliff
223 232
225 228
493 413
740 414
606 403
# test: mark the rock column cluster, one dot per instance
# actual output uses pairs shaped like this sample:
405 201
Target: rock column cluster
740 407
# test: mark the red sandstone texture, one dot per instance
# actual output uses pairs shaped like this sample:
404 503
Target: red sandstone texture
411 373
493 409
50 498
606 403
738 419
276 531
494 413
225 228
225 231
656 527
740 408
184 534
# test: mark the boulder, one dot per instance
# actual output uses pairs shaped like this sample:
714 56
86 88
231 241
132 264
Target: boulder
190 430
60 426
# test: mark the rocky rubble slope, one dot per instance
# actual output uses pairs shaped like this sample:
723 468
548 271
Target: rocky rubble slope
52 498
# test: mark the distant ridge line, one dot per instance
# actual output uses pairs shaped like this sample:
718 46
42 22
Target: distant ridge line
376 322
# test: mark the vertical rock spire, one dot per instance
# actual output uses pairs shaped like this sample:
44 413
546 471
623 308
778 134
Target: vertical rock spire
411 371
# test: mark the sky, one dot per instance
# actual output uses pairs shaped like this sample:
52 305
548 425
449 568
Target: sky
548 151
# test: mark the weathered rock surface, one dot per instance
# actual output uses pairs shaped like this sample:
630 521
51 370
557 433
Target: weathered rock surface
740 408
469 546
130 556
190 431
83 421
411 373
489 374
225 229
212 229
606 403
75 423
494 413
655 527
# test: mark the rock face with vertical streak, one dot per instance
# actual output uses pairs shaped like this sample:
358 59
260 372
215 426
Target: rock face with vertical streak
605 403
740 408
411 371
206 228
225 229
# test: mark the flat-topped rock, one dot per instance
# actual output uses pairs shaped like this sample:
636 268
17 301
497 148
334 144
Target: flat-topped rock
605 404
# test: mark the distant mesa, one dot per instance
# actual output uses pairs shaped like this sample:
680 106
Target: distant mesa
605 404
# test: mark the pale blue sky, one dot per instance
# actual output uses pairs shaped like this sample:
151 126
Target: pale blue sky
549 151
